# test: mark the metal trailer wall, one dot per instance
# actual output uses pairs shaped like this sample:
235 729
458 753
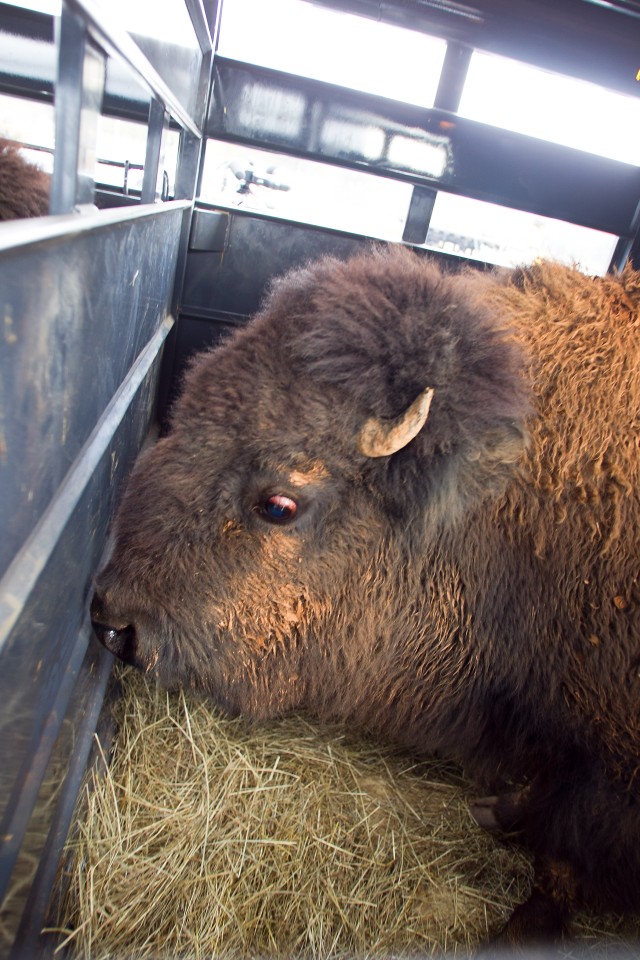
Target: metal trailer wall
88 300
89 346
233 253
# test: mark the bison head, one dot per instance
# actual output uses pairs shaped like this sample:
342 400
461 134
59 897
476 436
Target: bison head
277 542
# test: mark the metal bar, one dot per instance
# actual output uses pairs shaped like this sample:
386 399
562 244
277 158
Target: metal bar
188 166
35 910
214 14
37 90
634 253
116 40
23 22
72 38
627 248
419 214
21 233
200 24
204 86
154 157
24 571
453 76
94 77
78 100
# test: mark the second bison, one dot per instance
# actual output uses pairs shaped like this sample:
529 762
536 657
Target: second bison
408 502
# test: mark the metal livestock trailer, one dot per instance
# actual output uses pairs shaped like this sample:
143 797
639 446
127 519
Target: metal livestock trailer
104 299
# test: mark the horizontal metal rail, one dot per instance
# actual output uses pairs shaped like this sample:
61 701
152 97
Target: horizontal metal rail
20 233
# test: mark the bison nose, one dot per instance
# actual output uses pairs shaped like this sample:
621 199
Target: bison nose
121 641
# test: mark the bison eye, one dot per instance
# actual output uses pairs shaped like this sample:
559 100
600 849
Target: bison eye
278 509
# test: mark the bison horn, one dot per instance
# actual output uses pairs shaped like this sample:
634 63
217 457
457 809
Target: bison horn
381 438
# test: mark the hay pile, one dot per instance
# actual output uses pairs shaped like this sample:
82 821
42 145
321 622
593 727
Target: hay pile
207 838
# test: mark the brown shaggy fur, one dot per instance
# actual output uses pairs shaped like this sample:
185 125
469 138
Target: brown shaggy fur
24 188
475 594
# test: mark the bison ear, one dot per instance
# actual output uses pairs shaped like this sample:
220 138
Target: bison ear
381 438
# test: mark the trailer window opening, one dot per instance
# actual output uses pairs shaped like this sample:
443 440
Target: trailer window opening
137 16
506 237
121 153
304 191
31 123
550 106
39 6
140 17
297 37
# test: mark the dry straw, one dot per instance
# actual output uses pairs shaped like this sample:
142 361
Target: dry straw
207 838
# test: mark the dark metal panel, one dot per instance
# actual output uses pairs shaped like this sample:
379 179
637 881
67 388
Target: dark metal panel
208 230
232 283
70 334
43 652
292 115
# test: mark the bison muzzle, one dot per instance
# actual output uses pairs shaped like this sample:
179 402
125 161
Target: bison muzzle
408 502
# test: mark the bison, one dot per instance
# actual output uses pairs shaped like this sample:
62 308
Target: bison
24 188
408 501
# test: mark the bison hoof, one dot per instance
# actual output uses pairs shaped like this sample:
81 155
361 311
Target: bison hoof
500 815
536 927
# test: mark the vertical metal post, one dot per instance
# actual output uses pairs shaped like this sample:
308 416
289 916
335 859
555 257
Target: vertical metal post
154 157
453 76
628 248
188 165
416 225
78 101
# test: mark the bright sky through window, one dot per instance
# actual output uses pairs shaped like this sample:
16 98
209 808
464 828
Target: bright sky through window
137 16
312 41
526 99
40 6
